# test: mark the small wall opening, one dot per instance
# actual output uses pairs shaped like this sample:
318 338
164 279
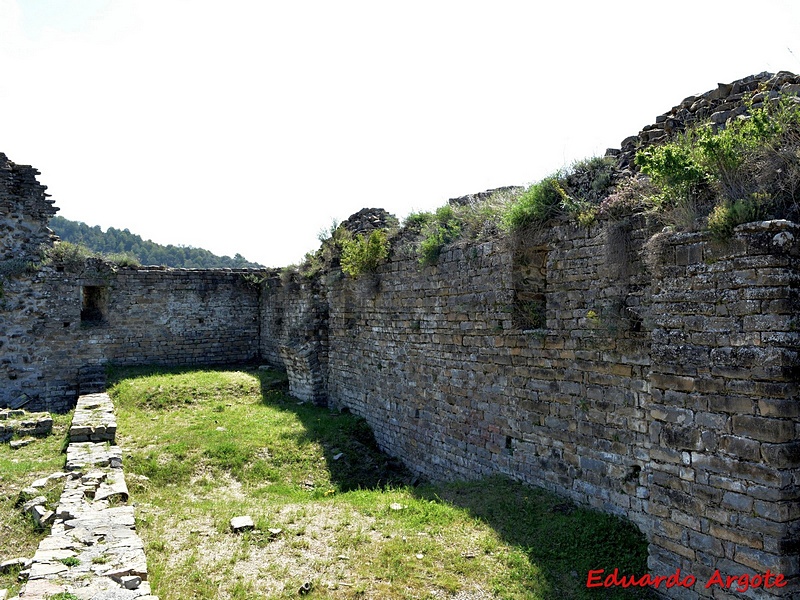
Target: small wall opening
530 282
94 304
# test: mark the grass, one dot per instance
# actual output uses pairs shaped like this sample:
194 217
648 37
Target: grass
330 509
19 536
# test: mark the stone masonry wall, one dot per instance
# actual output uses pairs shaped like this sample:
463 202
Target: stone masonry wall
650 375
53 325
25 211
662 386
294 319
724 410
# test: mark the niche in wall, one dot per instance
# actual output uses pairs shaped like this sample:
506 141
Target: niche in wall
530 282
94 304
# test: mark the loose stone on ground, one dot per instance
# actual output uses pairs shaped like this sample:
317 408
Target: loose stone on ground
239 524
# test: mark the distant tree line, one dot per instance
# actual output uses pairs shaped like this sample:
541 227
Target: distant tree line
122 241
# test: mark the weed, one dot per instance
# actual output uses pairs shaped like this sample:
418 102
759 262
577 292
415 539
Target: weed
530 314
728 214
71 561
123 259
576 191
418 220
364 253
326 234
72 257
747 170
540 202
631 196
441 228
288 274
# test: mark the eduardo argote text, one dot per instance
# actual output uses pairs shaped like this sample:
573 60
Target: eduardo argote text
734 583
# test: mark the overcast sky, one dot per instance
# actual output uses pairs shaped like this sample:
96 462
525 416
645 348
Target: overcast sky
248 126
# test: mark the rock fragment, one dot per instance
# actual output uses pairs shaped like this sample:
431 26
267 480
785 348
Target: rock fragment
243 523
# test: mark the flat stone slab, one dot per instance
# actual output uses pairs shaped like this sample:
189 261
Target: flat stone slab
85 455
93 420
243 523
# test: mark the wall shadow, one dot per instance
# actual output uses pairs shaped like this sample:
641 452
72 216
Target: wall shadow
562 541
352 456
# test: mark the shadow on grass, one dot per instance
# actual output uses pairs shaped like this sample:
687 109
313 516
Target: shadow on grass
554 539
353 458
563 540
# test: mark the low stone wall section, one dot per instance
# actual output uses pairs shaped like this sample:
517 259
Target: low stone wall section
23 423
93 527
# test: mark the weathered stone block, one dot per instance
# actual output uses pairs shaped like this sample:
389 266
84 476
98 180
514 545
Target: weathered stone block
764 429
782 456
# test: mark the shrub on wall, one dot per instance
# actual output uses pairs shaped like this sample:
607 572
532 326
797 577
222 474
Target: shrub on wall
540 202
728 214
440 229
747 170
363 253
576 191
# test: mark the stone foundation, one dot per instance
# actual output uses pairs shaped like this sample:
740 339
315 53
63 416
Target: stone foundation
90 526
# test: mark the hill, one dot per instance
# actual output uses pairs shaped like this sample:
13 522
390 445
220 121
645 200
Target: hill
122 241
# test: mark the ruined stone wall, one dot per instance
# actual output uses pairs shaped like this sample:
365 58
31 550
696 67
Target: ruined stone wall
442 362
724 412
650 375
25 211
294 322
55 326
726 101
660 383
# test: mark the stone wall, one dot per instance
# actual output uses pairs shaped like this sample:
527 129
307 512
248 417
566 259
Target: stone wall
661 384
58 322
25 211
294 319
724 413
648 374
724 102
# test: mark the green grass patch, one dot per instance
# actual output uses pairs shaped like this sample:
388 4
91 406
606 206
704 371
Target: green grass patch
19 536
330 509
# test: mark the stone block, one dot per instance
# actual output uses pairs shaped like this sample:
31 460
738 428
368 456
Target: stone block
786 408
243 523
764 429
740 447
782 456
681 438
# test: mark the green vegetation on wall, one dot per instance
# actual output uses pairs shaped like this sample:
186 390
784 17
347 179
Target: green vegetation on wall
364 253
747 170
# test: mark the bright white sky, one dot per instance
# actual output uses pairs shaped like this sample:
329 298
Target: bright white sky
248 126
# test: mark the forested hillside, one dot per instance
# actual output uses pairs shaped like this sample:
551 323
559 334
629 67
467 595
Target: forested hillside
122 241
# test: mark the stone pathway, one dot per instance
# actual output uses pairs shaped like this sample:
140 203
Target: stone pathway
93 551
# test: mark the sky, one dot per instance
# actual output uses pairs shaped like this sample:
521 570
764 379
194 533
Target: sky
250 126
